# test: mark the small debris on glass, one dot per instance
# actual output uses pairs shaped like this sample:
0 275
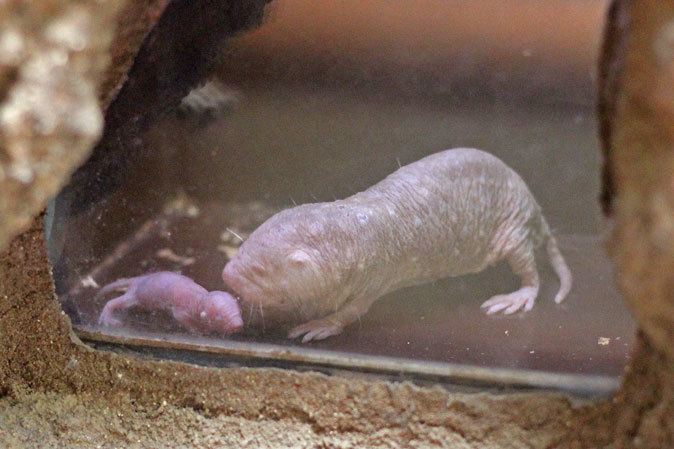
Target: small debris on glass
168 254
89 282
229 251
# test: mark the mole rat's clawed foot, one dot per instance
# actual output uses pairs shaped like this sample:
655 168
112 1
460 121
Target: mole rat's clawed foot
316 330
512 302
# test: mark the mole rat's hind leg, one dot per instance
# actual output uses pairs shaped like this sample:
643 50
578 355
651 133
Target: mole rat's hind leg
334 323
184 317
523 264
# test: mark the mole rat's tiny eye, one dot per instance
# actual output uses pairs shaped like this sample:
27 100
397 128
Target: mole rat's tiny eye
258 269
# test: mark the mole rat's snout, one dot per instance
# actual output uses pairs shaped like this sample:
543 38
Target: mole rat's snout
234 276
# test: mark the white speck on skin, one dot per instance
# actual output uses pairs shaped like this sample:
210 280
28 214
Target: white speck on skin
315 228
168 254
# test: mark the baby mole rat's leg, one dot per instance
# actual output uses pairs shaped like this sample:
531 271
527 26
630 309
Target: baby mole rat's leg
123 302
184 316
334 323
523 264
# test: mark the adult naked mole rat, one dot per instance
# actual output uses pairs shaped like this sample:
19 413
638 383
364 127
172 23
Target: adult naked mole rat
451 213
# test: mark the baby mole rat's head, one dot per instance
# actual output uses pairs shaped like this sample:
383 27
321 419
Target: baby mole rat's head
221 313
279 269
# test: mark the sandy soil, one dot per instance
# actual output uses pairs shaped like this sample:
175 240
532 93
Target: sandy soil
41 420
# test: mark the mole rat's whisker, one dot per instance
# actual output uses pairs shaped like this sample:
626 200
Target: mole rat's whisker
301 308
262 316
235 234
250 312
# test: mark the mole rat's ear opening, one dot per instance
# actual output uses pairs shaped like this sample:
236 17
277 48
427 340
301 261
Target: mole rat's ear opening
258 268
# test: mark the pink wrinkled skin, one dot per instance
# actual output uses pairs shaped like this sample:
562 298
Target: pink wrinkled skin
451 213
193 307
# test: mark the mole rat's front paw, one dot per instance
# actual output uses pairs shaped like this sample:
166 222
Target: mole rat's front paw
512 302
316 330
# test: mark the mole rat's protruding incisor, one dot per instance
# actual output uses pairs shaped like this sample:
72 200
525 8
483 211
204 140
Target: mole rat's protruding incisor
452 213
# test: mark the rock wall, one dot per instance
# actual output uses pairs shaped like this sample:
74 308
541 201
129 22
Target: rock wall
52 57
642 244
55 81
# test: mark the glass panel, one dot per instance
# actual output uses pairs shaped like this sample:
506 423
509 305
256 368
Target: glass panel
323 101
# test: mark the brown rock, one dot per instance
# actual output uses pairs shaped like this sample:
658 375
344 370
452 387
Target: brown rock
52 56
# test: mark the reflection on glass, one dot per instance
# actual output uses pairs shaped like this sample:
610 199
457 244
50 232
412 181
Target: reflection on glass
323 102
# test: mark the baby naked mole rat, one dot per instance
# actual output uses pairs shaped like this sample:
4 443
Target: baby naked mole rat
192 306
451 213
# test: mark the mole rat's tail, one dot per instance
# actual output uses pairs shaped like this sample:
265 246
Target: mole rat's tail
118 285
558 264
